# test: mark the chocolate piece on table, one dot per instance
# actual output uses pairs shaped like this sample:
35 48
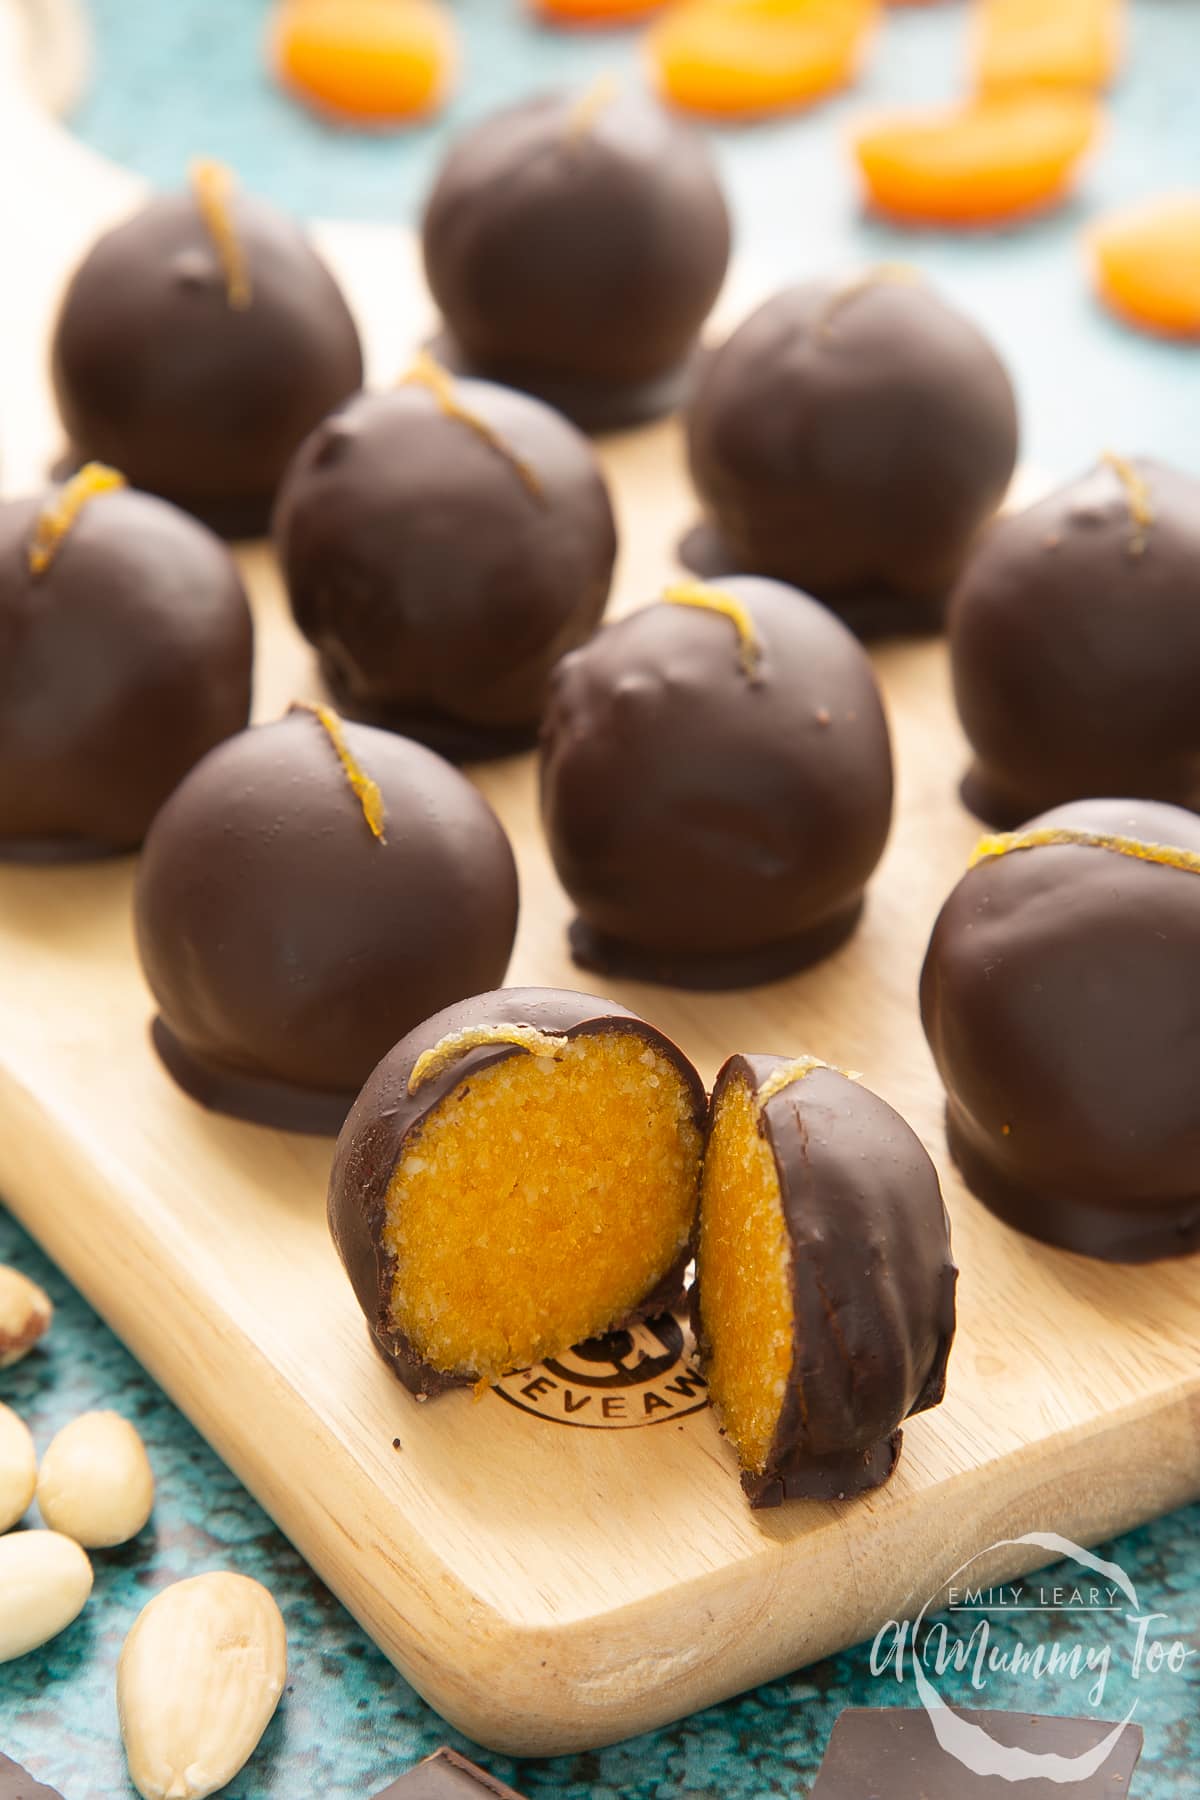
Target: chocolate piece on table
471 493
518 1175
575 245
1075 645
17 1783
716 786
126 650
824 1296
197 344
448 1776
1061 1000
851 438
893 1752
308 894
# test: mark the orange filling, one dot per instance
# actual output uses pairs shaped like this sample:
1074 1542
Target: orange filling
744 1264
1146 264
977 163
371 61
745 57
1053 43
542 1200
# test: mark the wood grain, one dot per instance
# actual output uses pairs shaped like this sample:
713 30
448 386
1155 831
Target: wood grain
545 1588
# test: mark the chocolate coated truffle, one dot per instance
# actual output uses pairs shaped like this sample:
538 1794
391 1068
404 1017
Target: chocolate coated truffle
851 438
197 344
824 1298
309 893
443 545
1075 645
575 245
1061 999
520 1174
125 655
716 786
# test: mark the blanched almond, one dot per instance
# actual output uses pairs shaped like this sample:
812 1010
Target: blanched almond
45 1580
18 1468
96 1484
25 1315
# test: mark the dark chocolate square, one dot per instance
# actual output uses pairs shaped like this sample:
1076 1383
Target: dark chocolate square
17 1783
889 1753
444 1776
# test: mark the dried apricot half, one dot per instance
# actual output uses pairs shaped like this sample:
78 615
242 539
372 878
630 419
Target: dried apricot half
595 12
373 62
743 58
1051 43
977 163
1146 264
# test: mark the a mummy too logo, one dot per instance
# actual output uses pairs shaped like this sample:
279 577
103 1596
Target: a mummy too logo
641 1376
1065 1634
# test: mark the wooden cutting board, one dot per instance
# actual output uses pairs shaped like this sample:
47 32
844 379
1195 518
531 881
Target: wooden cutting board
568 1561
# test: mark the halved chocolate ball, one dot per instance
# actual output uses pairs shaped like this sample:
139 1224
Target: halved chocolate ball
197 344
1075 644
125 655
716 785
1061 1000
824 1297
443 545
308 894
851 437
518 1175
576 244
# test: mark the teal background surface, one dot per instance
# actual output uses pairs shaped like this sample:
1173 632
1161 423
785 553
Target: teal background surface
181 77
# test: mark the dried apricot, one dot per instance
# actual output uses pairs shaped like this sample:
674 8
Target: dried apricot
1028 43
979 162
595 12
376 62
1146 264
747 57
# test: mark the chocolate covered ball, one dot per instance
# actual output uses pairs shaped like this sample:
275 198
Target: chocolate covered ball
197 344
126 651
716 786
1075 644
575 245
1061 999
824 1297
311 892
852 438
443 545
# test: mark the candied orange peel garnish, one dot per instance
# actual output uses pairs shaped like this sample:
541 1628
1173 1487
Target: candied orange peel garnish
589 106
214 185
1137 492
717 600
890 274
59 514
428 373
362 786
448 1050
1166 856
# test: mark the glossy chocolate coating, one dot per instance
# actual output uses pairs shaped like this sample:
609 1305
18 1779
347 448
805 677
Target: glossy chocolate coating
1075 645
873 1282
189 396
577 255
439 579
852 440
1061 999
121 665
714 829
386 1116
448 1776
286 946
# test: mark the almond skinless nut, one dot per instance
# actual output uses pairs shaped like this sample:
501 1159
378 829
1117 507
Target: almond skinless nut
25 1315
45 1580
18 1467
96 1484
198 1681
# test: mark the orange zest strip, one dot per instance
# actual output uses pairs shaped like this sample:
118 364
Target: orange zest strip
58 515
448 1050
366 791
716 600
1137 490
1004 843
214 185
881 275
590 104
426 372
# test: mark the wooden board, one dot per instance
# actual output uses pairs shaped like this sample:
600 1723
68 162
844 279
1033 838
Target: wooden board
545 1587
